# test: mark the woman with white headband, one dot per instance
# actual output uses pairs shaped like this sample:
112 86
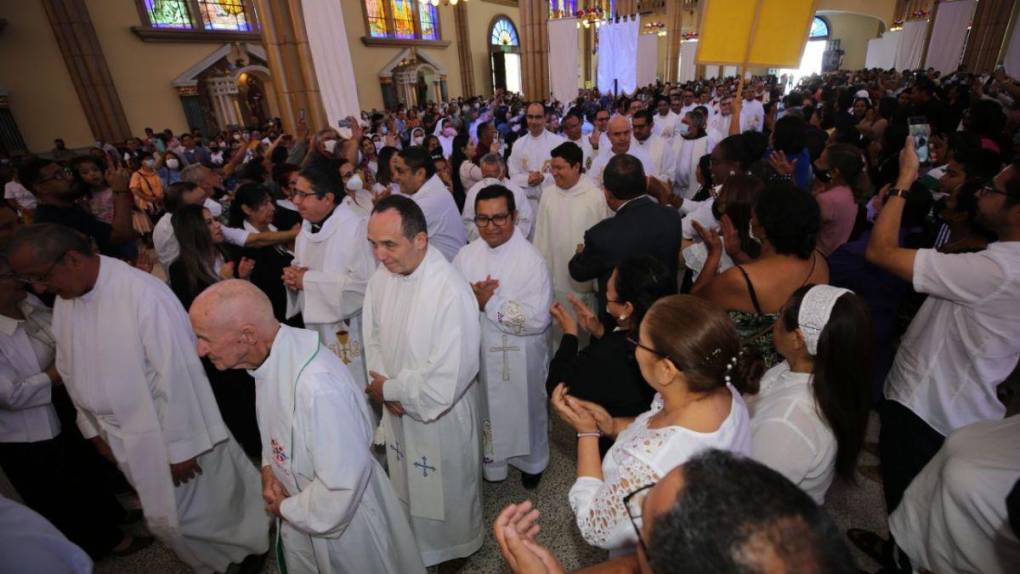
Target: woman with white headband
809 416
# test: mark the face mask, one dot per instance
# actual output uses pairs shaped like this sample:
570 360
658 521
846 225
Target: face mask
449 132
173 163
355 183
329 146
417 140
149 163
684 128
237 137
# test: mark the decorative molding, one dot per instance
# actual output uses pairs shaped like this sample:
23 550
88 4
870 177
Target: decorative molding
190 76
513 3
387 70
390 42
192 36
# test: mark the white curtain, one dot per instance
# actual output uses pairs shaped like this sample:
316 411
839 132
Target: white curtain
730 72
563 68
882 51
1012 61
618 46
711 71
949 35
648 59
334 70
688 65
911 48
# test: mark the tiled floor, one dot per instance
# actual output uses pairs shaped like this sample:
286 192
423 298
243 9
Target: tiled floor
851 505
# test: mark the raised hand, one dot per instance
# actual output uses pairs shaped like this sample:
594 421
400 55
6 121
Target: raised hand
118 178
571 412
781 164
586 317
564 319
711 238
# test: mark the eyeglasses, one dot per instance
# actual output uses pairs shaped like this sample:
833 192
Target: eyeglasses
303 194
632 502
43 278
500 220
992 189
635 344
532 117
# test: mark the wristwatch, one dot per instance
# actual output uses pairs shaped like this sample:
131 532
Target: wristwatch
894 192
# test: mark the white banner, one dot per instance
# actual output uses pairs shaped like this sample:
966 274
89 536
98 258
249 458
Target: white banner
334 70
949 35
563 68
1012 60
618 46
882 51
688 64
911 48
648 59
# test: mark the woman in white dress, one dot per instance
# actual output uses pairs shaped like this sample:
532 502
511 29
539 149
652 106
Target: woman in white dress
688 351
809 416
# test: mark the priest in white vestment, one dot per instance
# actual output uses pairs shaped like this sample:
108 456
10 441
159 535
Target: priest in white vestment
530 158
571 206
338 512
494 173
688 151
126 353
417 177
332 263
719 122
621 142
421 342
666 120
659 149
752 112
572 130
514 293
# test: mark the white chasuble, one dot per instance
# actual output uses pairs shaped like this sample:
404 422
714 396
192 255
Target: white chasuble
126 353
525 216
687 153
422 334
446 232
514 353
530 154
342 515
339 261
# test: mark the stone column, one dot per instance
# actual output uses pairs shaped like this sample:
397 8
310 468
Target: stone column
535 49
988 34
674 35
290 61
86 64
467 69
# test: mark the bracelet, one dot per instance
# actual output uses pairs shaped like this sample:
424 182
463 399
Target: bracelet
596 434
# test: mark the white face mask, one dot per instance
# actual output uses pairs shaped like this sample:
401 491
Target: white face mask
417 140
329 146
173 163
355 183
149 163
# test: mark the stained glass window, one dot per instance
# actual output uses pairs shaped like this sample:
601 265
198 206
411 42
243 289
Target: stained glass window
403 18
224 15
168 14
819 29
504 33
427 18
376 18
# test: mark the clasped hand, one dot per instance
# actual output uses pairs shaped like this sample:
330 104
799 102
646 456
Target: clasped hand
273 491
582 416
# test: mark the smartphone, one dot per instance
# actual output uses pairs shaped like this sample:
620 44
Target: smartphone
917 126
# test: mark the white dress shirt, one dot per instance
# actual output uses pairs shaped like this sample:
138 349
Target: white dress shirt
166 245
27 348
964 340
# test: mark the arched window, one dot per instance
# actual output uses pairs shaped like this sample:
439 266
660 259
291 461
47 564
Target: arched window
200 15
503 33
401 19
819 29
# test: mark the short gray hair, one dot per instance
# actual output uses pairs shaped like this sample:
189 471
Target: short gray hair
493 158
194 173
49 241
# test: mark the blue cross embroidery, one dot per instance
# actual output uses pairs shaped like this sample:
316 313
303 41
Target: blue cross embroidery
425 467
396 448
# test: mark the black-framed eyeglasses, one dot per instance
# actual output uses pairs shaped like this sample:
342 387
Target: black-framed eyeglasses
43 278
635 344
500 220
632 503
991 189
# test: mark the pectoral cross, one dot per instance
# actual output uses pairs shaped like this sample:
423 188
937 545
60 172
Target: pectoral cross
505 349
425 466
396 449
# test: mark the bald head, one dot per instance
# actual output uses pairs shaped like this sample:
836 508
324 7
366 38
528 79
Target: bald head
619 134
234 323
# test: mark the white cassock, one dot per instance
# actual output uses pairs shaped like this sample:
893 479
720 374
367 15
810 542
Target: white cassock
446 232
422 334
665 126
339 262
687 154
588 153
606 154
446 144
525 216
514 354
563 218
530 154
342 515
126 352
752 116
660 151
719 124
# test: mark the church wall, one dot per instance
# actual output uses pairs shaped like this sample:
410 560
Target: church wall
881 9
853 32
480 16
369 60
143 71
42 97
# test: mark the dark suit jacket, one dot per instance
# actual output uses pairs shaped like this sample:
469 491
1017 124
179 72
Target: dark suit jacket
641 227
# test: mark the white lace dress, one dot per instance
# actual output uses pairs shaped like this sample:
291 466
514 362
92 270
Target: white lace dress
641 456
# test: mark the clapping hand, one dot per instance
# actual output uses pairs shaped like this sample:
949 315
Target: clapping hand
710 237
571 411
294 277
781 164
484 290
586 317
564 319
515 529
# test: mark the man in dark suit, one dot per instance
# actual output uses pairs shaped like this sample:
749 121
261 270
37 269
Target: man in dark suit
641 227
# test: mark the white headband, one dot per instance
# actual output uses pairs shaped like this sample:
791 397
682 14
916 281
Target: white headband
815 308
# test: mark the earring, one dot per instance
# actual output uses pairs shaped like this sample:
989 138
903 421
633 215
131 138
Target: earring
623 317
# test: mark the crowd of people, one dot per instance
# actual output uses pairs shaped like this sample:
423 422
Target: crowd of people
343 333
